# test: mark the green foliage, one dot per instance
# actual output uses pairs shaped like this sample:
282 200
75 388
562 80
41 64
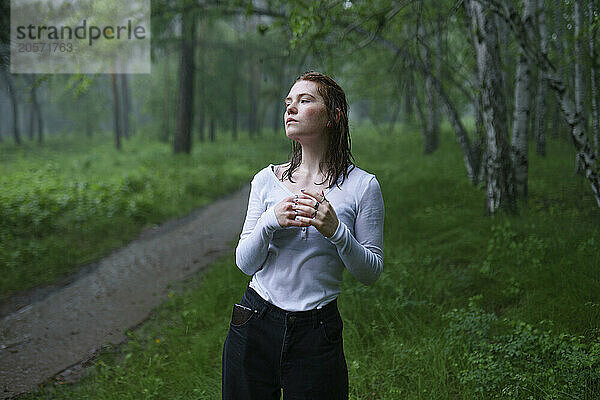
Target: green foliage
506 248
528 362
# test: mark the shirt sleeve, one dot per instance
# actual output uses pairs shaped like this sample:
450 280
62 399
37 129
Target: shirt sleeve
362 254
257 232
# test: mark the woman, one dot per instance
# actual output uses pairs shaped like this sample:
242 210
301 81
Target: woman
307 221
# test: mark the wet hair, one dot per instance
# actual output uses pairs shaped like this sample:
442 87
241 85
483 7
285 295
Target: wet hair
338 156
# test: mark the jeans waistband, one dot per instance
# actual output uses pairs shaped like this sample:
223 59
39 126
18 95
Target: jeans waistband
330 310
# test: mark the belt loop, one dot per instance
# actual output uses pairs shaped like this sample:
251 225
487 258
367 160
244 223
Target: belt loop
315 318
262 310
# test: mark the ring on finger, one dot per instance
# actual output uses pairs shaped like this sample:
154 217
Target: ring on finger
314 214
317 205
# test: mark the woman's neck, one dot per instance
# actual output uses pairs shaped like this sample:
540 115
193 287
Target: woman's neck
311 162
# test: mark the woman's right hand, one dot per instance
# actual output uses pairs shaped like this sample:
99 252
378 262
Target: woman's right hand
286 213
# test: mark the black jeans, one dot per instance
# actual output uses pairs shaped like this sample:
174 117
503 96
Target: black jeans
268 349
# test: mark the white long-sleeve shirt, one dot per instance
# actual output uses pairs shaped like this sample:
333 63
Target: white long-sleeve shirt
297 268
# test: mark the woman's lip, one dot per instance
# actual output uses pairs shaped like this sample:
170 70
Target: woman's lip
290 120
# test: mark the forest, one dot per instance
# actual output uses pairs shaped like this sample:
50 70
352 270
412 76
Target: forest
479 117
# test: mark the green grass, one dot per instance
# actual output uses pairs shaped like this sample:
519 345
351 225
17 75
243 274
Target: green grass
60 202
468 306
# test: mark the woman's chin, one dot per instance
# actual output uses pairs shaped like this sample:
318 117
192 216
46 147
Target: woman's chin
291 135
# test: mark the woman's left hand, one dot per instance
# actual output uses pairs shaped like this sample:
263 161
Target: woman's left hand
314 209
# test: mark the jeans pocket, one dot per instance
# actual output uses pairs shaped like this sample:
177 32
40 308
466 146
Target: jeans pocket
241 315
332 329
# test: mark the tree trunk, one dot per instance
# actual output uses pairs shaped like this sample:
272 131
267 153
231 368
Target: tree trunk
540 115
30 79
253 90
37 113
201 107
430 126
116 111
126 105
593 82
166 120
559 24
422 118
519 153
14 103
234 103
234 110
88 115
500 192
211 131
185 105
579 89
408 100
479 142
31 127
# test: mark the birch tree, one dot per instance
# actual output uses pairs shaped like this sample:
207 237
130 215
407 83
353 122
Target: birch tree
519 143
540 115
499 193
578 78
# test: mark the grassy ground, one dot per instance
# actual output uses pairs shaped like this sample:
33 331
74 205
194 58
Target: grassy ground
467 307
60 201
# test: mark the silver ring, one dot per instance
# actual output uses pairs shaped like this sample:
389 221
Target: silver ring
314 214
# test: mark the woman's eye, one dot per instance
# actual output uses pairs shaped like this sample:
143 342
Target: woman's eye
304 101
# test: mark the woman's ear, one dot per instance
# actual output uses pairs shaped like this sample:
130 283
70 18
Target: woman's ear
338 115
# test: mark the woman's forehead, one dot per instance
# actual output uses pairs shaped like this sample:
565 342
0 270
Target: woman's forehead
303 86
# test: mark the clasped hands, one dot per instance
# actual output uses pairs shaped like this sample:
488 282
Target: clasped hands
306 209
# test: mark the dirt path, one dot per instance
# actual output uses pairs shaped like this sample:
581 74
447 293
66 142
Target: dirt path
54 334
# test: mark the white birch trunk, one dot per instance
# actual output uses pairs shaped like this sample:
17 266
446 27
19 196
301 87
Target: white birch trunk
519 143
499 175
540 118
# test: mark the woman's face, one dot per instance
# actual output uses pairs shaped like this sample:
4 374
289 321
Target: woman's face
305 115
